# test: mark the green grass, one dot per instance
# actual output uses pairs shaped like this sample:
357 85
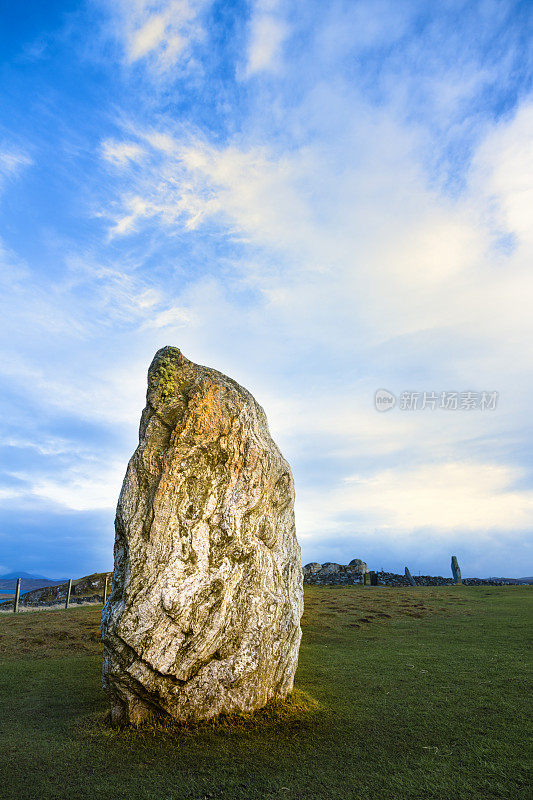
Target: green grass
421 693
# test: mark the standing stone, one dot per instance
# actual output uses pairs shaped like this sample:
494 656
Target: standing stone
204 612
456 572
409 577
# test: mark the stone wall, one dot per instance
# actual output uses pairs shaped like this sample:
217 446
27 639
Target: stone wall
330 574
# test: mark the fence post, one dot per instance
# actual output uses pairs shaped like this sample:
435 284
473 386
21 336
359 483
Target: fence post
105 589
17 595
67 601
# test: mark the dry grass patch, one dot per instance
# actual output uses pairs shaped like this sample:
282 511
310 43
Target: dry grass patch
51 634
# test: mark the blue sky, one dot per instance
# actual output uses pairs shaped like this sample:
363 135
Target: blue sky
321 200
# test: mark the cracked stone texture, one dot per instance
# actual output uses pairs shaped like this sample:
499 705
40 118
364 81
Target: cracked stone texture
207 596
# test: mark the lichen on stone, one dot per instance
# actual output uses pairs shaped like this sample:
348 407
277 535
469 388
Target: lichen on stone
165 376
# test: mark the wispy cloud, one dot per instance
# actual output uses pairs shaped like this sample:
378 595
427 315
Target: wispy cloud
268 30
12 162
121 153
78 488
160 33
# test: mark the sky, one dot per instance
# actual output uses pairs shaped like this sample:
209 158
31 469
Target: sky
321 200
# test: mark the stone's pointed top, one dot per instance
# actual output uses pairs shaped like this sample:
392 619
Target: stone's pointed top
168 354
175 383
165 375
168 350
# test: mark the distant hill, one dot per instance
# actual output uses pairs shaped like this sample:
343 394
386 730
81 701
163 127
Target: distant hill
8 583
11 575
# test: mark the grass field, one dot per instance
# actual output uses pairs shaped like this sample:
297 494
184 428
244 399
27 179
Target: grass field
422 693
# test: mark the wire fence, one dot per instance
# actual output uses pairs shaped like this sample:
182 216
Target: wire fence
69 599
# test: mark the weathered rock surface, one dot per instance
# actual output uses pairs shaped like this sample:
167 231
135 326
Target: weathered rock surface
204 613
357 566
330 572
331 566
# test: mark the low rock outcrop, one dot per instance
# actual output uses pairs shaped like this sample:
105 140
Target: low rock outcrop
204 614
330 572
312 568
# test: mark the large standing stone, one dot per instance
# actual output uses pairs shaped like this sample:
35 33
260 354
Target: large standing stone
204 614
456 572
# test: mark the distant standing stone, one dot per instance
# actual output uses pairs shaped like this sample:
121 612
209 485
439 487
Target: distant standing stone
409 577
456 572
204 611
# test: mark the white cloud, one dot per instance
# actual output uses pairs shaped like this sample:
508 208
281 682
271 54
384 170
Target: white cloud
120 153
465 496
503 171
405 259
47 446
10 494
82 492
267 34
82 487
175 316
160 33
149 36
